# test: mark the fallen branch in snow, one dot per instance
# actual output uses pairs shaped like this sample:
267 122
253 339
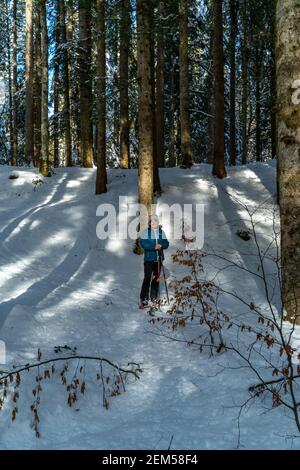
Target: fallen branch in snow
28 366
113 384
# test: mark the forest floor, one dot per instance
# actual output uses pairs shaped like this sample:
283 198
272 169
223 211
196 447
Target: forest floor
61 285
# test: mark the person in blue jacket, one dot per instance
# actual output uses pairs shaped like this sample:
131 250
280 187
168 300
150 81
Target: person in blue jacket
154 242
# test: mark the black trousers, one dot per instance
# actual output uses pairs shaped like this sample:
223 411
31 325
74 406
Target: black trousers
151 275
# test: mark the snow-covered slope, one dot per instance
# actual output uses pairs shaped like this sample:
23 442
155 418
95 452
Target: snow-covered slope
60 284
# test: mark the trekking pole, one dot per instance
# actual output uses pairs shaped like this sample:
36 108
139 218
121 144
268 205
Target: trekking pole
166 286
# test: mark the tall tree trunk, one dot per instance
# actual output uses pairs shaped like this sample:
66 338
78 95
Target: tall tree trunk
56 88
125 35
116 114
85 82
65 83
101 178
211 126
8 45
145 113
15 87
37 85
160 121
232 52
258 67
219 145
211 102
55 120
72 78
273 88
273 110
29 142
186 150
156 180
44 160
288 139
273 99
172 139
245 67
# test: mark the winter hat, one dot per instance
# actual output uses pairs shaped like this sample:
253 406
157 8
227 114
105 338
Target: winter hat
153 217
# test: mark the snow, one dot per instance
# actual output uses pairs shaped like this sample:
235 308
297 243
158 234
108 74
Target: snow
61 285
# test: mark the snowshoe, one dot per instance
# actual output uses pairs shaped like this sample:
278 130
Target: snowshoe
144 305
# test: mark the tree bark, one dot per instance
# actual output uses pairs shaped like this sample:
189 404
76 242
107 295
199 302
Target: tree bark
288 139
258 70
65 84
85 82
37 85
15 87
44 160
101 72
29 138
219 145
72 78
56 88
232 52
172 140
186 150
273 111
245 67
125 34
160 121
116 112
211 103
273 88
156 179
145 113
9 70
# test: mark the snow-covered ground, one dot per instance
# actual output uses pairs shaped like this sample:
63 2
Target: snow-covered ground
61 285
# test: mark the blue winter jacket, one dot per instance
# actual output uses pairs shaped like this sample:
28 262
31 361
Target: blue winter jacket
149 240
